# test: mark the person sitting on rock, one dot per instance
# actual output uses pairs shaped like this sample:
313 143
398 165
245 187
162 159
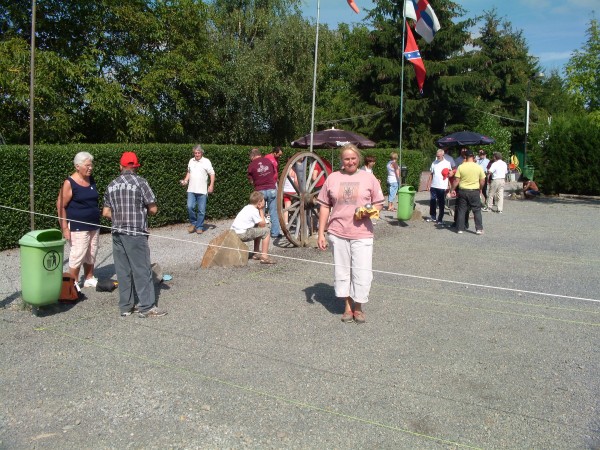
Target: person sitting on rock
250 225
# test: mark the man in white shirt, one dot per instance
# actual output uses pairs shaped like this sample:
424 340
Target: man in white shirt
199 171
484 162
497 173
438 184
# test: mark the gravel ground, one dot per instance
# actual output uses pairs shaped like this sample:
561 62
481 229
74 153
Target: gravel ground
257 357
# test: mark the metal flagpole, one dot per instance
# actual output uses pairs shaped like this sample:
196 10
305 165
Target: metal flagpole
402 88
31 97
314 92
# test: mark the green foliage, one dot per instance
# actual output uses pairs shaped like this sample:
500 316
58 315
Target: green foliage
240 72
565 155
490 126
583 70
446 87
163 165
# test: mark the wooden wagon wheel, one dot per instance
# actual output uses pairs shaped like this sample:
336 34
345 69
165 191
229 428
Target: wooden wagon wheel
305 173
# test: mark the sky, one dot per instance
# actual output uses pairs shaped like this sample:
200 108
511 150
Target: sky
552 29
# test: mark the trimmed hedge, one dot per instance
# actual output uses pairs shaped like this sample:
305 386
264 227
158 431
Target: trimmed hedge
163 165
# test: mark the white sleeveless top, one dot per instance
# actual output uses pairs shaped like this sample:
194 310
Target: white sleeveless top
391 177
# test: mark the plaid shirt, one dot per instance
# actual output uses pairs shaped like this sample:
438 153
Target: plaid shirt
128 196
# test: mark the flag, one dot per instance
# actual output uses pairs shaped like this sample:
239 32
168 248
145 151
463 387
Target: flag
427 22
413 55
409 10
353 6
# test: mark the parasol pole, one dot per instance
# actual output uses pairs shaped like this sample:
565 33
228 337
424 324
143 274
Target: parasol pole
402 89
314 91
31 96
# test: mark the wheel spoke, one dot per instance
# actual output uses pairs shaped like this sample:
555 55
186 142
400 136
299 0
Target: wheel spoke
302 212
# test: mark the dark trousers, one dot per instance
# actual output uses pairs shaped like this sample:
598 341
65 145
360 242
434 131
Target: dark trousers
468 199
131 256
438 199
466 214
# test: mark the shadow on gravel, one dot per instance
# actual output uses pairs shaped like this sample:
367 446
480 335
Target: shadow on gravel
55 308
325 295
398 223
565 201
11 298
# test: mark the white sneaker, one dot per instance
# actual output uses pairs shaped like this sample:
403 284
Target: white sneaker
90 282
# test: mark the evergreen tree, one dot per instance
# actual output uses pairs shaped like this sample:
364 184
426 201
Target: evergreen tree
423 117
505 74
583 70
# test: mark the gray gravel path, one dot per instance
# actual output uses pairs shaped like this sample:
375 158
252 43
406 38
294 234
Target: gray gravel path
257 357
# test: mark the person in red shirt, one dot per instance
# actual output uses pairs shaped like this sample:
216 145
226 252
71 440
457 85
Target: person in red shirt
262 176
274 158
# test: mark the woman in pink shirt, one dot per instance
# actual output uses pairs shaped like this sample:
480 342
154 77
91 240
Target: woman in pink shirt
350 237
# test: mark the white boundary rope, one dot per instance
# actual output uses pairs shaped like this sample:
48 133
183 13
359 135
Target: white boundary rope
418 277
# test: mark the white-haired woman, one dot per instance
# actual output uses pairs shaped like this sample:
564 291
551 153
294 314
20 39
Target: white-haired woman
350 237
79 218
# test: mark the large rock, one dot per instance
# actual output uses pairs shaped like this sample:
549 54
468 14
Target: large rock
226 250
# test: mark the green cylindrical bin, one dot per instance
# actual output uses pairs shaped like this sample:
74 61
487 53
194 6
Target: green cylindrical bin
41 266
528 171
406 202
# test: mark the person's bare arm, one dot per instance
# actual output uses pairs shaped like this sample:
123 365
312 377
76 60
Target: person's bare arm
107 212
152 209
455 182
323 218
64 197
186 179
261 211
211 186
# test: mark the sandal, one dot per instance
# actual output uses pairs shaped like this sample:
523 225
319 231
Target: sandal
267 261
359 317
348 317
256 257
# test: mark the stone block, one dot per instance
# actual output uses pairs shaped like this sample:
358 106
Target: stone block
226 250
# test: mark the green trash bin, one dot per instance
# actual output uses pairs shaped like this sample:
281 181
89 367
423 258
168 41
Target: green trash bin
528 171
41 266
406 202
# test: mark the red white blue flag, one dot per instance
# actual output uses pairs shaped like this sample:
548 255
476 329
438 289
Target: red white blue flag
413 55
427 22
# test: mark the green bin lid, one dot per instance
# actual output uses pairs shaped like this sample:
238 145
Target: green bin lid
42 238
407 188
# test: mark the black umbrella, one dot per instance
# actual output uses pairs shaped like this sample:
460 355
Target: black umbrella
333 138
463 138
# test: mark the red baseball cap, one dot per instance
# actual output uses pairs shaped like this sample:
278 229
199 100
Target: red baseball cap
445 173
129 159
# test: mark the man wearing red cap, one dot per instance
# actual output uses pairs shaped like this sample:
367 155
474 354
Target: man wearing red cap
127 202
437 186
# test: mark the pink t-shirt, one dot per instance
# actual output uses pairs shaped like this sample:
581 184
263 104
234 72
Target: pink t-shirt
344 193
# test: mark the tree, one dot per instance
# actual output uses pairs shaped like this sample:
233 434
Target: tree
447 71
262 91
491 126
505 75
583 70
565 154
